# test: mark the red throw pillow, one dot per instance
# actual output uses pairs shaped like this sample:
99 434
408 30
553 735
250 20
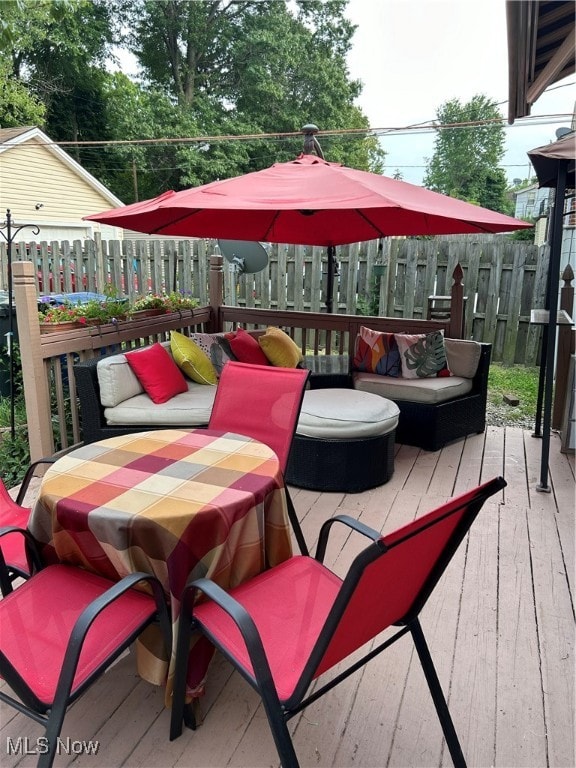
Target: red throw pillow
245 348
157 372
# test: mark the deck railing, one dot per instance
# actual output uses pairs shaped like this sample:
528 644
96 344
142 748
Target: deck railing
54 421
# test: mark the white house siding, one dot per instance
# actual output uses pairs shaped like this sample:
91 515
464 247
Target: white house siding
32 175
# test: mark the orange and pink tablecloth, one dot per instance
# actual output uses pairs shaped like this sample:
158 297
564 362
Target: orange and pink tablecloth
173 503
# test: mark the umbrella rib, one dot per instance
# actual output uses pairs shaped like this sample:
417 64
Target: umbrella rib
172 222
264 239
370 223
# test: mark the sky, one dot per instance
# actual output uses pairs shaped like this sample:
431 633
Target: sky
414 55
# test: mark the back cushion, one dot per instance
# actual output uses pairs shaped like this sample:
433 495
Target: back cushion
463 357
117 381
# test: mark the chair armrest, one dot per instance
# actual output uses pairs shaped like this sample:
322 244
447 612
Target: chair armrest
234 609
240 616
28 477
95 608
356 525
31 550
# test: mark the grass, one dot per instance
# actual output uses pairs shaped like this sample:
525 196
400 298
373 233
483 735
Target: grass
519 381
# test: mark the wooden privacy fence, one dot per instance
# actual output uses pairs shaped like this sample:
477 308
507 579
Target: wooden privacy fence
503 279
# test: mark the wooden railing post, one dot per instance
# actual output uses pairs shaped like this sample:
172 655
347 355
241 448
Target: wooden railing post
564 350
36 393
216 290
456 327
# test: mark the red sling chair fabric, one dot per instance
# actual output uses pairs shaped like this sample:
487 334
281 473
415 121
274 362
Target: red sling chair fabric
61 630
12 513
262 402
281 645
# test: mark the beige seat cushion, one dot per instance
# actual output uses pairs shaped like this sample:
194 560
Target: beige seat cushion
189 409
345 413
429 390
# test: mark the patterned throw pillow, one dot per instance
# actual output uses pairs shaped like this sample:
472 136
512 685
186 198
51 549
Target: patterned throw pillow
376 352
423 355
191 359
216 347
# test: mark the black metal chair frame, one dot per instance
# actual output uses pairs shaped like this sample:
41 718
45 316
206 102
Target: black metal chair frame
51 716
11 572
279 712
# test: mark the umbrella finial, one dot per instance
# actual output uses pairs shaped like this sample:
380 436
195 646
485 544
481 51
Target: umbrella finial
311 145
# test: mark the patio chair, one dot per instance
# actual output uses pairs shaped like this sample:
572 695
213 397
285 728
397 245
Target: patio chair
281 645
263 402
12 513
60 630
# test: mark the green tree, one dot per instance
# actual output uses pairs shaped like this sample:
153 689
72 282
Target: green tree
18 106
59 59
256 67
466 158
219 68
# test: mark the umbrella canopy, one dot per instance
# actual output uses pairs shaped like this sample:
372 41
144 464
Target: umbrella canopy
307 201
546 160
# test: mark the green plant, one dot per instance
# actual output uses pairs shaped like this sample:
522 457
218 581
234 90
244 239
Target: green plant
107 311
62 313
18 380
178 301
93 310
14 456
151 301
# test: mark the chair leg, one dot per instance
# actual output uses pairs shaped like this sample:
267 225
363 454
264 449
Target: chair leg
279 728
437 695
53 730
180 712
293 517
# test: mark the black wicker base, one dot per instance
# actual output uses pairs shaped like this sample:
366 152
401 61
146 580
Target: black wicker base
345 466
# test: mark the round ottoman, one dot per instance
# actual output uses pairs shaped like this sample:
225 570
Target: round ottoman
344 441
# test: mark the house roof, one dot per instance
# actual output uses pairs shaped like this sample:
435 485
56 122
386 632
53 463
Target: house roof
546 159
12 137
541 49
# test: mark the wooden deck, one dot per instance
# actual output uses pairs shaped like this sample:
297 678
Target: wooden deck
500 628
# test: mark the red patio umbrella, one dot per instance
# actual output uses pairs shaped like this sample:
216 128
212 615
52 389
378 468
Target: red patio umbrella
307 201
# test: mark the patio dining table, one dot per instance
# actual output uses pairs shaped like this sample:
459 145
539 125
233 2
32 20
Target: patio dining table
173 503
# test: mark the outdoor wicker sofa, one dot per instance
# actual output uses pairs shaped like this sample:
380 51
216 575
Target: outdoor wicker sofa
428 425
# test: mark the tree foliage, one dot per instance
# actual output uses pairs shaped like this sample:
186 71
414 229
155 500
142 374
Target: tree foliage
208 71
466 159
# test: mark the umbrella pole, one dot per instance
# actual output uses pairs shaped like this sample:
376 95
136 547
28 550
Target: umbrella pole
544 349
554 271
330 278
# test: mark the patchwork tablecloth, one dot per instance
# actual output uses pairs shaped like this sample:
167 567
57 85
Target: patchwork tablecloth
172 503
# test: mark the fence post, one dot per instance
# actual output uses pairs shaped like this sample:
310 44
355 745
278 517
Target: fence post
36 393
216 288
565 349
456 326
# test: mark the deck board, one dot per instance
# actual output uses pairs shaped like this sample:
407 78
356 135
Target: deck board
500 627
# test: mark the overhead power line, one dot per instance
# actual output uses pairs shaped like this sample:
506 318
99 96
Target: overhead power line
429 127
